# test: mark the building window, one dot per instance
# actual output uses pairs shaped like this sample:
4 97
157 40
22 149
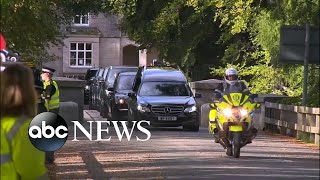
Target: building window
81 20
81 54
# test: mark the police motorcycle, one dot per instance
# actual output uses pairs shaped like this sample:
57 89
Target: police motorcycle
230 121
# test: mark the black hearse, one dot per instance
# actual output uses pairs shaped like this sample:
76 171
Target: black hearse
163 96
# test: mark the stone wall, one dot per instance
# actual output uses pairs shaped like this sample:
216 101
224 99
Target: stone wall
107 25
72 90
110 53
205 88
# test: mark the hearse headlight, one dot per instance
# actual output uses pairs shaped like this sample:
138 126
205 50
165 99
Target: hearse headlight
143 108
191 109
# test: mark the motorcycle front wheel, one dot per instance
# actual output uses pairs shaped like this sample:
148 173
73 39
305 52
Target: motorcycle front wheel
236 144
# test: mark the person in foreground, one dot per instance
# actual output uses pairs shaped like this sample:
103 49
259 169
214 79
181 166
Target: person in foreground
18 102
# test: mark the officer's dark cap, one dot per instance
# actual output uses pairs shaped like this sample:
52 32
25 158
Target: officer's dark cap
48 70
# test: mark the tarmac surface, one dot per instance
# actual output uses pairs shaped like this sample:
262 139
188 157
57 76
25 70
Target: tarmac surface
171 153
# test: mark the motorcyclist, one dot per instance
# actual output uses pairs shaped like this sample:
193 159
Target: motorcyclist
231 84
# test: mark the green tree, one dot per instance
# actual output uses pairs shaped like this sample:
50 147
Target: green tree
29 27
182 30
221 33
258 23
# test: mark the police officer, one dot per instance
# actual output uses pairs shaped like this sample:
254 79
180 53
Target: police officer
51 97
231 84
19 159
38 84
51 90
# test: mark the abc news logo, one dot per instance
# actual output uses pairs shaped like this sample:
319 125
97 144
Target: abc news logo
49 131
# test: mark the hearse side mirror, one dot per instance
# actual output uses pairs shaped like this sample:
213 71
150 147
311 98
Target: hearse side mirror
100 80
216 96
253 96
130 94
110 89
198 95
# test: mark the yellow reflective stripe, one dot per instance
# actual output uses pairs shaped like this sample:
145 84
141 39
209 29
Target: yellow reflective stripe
5 158
53 106
15 128
244 100
54 98
226 98
212 105
43 177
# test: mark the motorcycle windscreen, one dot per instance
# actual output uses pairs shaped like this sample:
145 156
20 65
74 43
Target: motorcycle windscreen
235 99
249 106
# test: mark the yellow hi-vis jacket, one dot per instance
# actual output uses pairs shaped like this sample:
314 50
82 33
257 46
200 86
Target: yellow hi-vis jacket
19 158
53 103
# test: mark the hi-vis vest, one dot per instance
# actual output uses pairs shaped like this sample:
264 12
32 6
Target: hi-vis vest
19 159
53 103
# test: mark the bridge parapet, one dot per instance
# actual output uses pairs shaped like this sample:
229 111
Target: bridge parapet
292 120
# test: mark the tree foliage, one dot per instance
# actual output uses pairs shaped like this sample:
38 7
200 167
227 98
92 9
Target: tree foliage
30 26
177 28
195 34
241 33
263 27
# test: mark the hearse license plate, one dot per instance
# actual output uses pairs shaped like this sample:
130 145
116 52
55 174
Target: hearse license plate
167 118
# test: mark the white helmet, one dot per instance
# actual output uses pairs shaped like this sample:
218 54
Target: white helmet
231 76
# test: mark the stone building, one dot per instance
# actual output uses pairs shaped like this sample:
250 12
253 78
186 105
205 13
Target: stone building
95 41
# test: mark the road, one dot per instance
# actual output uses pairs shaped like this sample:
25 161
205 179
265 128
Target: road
171 153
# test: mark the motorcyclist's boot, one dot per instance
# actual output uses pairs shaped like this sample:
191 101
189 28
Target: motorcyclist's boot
216 140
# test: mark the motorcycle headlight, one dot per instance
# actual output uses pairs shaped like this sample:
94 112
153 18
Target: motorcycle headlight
191 109
143 108
243 112
227 112
87 87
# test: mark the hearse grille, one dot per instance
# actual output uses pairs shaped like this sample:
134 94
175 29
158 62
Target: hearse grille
167 110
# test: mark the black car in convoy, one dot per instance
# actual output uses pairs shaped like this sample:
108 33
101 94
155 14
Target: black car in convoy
91 73
163 96
94 88
119 96
107 88
100 84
